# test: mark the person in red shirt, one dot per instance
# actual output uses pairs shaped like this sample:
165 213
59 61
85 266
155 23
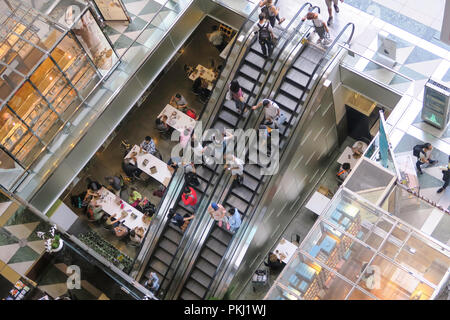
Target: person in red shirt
189 196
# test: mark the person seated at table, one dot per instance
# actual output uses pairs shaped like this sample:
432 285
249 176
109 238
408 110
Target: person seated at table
179 102
181 222
134 198
137 235
344 171
146 207
111 222
148 145
189 196
115 184
130 169
161 124
274 263
121 231
358 149
188 70
92 188
94 210
200 88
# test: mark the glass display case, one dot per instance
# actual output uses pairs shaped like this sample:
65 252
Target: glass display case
45 73
358 251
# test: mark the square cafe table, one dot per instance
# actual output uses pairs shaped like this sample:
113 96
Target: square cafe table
162 173
177 119
285 250
109 205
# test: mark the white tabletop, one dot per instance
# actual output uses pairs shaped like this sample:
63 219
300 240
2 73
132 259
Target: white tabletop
317 203
286 248
207 74
180 122
162 173
109 205
347 156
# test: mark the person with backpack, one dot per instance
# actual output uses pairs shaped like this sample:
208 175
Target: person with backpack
445 176
423 154
180 221
271 12
265 35
319 26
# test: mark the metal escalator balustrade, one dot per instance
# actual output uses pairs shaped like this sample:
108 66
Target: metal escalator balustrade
168 244
290 96
218 239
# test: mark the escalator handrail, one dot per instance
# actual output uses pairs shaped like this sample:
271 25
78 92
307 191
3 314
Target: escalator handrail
312 76
271 69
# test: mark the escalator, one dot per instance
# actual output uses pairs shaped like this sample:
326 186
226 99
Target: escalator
218 239
250 73
290 94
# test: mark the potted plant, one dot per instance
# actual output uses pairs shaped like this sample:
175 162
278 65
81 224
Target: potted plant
53 242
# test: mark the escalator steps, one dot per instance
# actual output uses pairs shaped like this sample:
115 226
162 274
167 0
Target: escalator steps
188 295
195 288
223 237
229 118
200 277
173 234
216 246
305 65
286 102
243 193
211 257
245 84
250 72
255 60
312 54
291 90
297 77
163 256
234 201
168 245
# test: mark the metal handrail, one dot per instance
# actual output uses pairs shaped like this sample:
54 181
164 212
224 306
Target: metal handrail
312 76
271 69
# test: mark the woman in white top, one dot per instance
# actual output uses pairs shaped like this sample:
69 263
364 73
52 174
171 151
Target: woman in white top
218 213
273 13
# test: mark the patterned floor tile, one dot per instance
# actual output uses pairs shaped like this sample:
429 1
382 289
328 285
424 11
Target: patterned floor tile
136 6
22 216
22 267
150 7
6 238
38 246
122 42
43 227
22 231
135 25
24 254
419 55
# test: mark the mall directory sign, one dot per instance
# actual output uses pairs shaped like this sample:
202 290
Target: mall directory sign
436 102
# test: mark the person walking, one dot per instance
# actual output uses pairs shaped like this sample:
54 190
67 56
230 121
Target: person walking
445 176
236 166
218 213
216 38
331 3
423 154
265 35
271 12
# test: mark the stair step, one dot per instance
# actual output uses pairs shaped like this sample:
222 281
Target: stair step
305 65
173 234
228 117
205 267
246 84
243 193
291 90
234 201
250 71
312 54
163 256
168 245
223 237
211 257
255 59
250 182
158 267
196 288
253 170
286 102
200 277
188 295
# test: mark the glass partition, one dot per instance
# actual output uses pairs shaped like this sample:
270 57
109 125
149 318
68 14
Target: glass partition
358 251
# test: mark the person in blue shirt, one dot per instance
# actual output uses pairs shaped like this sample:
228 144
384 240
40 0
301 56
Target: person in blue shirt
234 219
148 145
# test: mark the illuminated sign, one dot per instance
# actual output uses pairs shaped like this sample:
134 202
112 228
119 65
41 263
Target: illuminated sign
436 104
